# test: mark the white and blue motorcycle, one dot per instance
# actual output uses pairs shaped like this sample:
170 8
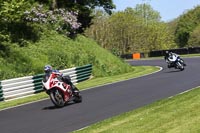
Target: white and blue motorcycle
175 61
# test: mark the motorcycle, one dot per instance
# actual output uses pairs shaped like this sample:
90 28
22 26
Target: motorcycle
176 62
60 93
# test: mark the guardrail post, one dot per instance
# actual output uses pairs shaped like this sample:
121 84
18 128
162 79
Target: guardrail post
37 81
1 93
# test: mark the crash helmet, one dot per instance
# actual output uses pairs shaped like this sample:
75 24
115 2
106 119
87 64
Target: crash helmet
47 68
170 53
167 53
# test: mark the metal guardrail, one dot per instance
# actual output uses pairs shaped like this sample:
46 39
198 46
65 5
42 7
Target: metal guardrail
24 86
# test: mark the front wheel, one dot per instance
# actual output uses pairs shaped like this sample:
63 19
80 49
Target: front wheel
56 97
180 66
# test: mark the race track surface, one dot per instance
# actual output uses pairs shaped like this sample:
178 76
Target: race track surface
102 102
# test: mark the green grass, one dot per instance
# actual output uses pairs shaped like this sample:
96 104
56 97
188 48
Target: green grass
179 114
137 71
61 53
16 102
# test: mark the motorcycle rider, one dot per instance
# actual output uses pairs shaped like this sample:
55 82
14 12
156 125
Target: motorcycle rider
168 56
66 79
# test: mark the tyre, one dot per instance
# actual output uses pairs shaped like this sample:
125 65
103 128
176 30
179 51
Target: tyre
57 98
180 66
77 98
182 62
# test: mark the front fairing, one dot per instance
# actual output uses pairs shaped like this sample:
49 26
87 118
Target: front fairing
54 82
50 81
173 58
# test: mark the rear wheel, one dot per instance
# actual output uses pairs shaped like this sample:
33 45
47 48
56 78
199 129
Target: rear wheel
78 99
77 95
56 97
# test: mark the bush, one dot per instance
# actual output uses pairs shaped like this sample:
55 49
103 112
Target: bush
61 20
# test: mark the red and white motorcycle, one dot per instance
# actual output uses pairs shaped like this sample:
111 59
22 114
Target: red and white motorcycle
60 93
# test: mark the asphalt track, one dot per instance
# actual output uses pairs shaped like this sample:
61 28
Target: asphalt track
102 102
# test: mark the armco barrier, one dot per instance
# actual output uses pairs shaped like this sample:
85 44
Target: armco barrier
24 86
1 93
180 51
157 53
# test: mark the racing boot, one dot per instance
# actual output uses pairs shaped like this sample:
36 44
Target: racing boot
75 90
169 66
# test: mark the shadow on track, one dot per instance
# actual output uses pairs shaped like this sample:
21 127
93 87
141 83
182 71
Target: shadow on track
173 71
54 107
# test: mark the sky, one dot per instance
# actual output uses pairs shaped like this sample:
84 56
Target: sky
168 9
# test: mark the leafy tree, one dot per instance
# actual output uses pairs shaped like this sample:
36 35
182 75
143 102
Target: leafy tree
128 32
83 7
147 13
11 26
186 24
172 25
61 20
160 37
12 10
194 39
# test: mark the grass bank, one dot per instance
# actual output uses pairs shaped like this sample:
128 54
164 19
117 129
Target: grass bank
179 114
60 52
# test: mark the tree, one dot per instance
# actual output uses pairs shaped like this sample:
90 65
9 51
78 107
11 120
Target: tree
147 13
127 32
186 24
12 28
12 10
83 7
194 39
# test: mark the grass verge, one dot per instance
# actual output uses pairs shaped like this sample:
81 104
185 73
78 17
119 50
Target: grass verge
137 72
179 114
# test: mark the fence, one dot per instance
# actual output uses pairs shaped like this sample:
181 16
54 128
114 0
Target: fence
24 86
189 50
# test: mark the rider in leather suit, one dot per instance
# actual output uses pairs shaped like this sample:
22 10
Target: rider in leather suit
167 56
